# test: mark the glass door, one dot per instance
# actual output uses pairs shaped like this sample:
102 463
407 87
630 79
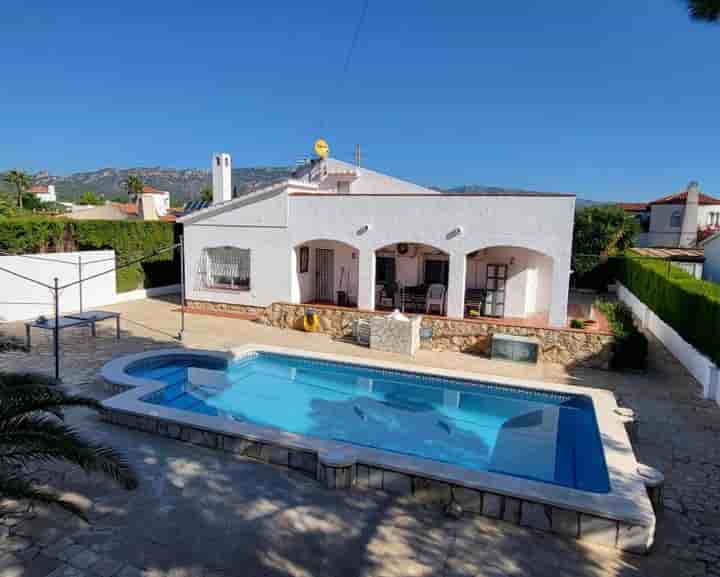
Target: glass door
495 279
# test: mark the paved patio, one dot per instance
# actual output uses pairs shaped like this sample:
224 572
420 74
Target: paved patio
203 513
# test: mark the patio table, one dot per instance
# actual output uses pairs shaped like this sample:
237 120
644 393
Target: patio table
88 318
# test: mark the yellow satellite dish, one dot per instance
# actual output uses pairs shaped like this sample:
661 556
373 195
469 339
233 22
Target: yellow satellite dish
321 148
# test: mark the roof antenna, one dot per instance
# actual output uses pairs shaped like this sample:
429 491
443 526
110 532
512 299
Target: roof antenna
358 155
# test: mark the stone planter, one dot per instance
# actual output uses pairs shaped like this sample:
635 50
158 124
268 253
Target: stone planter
395 336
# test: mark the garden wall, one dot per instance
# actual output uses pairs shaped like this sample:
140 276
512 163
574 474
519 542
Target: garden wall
22 299
564 346
699 365
688 305
129 239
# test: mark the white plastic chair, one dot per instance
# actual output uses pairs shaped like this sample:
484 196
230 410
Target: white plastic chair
435 297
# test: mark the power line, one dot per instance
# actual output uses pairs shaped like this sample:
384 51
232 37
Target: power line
348 56
356 35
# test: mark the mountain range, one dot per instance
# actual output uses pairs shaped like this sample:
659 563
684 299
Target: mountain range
186 184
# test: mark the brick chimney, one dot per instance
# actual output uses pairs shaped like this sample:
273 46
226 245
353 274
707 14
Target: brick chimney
688 232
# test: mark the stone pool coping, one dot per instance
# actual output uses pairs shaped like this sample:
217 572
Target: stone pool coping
626 506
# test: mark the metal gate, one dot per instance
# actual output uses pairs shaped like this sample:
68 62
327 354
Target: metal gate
324 266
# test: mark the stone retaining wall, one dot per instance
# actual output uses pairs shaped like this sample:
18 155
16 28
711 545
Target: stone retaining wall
260 312
563 346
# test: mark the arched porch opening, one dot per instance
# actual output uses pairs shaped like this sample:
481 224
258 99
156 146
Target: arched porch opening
327 272
508 282
412 277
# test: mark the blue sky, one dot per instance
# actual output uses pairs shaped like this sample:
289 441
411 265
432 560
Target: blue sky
614 101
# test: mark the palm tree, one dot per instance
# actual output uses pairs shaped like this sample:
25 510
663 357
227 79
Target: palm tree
21 181
206 193
133 185
33 431
707 10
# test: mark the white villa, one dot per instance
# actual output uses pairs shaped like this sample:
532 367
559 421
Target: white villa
44 193
337 234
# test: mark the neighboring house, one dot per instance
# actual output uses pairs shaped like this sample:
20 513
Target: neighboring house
677 220
711 246
153 204
44 193
160 199
107 211
335 233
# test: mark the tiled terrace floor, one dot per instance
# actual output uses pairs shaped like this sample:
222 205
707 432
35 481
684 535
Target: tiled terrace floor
202 513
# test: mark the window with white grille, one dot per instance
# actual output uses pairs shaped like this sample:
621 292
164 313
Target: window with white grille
226 267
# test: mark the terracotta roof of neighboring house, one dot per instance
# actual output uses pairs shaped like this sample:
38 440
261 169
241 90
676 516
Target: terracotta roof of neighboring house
677 254
148 188
39 190
681 197
128 208
633 206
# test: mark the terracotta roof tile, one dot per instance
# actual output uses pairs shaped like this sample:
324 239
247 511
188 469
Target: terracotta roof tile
681 197
38 189
148 188
128 208
633 206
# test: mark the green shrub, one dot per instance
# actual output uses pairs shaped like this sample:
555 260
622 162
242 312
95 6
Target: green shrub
577 324
630 349
129 239
688 305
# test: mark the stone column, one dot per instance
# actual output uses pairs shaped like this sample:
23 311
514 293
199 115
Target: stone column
366 280
456 286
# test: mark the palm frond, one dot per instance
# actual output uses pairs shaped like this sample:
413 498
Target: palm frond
32 431
24 379
28 438
19 401
16 487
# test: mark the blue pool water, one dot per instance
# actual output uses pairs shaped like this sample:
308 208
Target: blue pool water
531 434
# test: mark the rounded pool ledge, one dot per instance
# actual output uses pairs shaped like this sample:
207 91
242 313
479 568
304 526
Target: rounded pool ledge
115 371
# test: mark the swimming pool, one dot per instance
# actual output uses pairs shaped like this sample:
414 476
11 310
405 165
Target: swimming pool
545 455
539 435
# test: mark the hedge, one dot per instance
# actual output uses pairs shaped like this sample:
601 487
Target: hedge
688 305
129 240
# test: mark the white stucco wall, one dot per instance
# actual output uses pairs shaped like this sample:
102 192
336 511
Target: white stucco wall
278 223
711 269
21 299
700 366
371 182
